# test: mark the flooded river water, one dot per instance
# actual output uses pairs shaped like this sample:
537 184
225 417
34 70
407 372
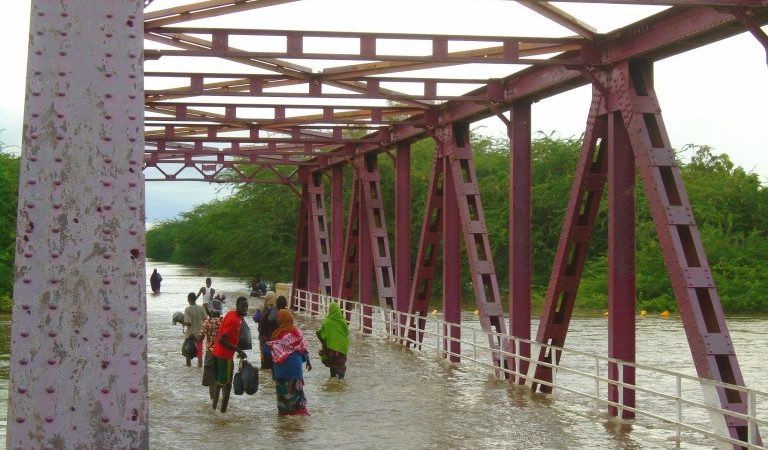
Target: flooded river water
394 398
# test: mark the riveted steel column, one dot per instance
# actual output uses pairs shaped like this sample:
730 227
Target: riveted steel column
451 268
621 263
320 251
426 257
403 227
370 180
337 225
301 265
78 373
365 270
350 262
454 139
520 231
692 282
575 236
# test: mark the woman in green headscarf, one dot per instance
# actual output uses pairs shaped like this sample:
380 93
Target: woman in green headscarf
334 335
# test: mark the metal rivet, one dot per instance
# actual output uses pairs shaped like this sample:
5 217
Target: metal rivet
22 390
49 419
105 334
51 362
50 389
24 333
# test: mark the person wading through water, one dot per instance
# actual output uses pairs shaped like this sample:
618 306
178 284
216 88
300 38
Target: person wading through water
224 350
334 336
288 350
154 281
193 321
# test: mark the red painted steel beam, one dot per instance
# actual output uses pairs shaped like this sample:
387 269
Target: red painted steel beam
670 32
372 201
403 227
575 236
560 17
621 265
457 150
203 10
365 270
691 278
451 265
426 256
337 226
350 264
301 265
519 130
321 242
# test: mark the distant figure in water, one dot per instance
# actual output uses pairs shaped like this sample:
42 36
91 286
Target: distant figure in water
154 281
258 287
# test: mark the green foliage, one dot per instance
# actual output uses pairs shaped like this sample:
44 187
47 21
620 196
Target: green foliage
9 193
254 232
6 304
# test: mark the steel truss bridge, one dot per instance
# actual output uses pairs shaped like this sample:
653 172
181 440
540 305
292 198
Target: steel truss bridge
296 108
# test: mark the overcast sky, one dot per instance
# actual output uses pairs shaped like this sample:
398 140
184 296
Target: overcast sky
716 95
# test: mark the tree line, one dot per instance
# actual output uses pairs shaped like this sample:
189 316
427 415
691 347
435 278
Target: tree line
253 232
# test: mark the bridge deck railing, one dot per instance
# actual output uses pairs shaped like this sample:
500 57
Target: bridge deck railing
674 399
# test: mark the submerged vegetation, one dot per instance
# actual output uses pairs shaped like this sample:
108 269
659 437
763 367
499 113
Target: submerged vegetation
254 231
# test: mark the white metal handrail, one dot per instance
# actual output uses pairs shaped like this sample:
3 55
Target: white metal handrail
396 326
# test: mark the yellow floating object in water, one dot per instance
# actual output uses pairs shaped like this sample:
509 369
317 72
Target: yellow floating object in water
643 313
664 313
605 314
434 311
477 312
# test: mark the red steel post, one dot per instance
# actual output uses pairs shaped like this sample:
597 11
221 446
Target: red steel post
520 231
78 365
301 265
451 268
426 256
621 264
365 269
350 263
692 283
403 227
454 140
583 206
337 225
320 244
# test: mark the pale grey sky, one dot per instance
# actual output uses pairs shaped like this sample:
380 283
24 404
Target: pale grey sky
716 95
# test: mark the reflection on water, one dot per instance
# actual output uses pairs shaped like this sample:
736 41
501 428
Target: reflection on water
393 397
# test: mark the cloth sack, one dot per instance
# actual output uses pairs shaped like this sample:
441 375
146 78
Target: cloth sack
189 347
244 341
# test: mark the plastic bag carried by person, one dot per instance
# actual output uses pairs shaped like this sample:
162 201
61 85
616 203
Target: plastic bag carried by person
249 377
189 347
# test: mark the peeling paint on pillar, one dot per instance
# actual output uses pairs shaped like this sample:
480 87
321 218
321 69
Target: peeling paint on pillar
78 374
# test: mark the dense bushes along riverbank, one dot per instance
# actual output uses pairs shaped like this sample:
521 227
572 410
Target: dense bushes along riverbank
254 231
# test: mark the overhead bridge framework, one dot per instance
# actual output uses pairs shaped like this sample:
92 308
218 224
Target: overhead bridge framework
94 132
